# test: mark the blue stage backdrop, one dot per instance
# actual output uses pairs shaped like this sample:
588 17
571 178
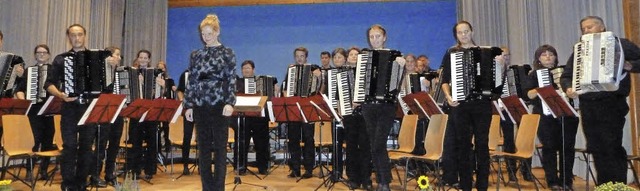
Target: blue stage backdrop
268 34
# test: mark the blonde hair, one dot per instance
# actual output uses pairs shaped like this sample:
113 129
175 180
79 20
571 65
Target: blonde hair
212 21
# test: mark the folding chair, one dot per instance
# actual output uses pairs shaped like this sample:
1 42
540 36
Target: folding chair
57 140
406 141
18 142
525 146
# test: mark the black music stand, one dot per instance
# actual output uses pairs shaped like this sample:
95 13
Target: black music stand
246 104
136 110
284 110
52 106
161 110
423 104
103 110
515 108
559 107
9 106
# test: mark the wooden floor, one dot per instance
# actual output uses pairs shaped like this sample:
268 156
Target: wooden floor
276 180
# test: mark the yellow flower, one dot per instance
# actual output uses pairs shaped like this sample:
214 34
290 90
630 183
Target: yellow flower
423 182
5 182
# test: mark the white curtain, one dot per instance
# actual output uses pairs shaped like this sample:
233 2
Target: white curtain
27 23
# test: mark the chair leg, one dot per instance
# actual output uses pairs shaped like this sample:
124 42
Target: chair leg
635 174
535 179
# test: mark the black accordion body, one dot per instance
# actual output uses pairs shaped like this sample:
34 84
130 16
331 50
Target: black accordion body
300 81
36 77
260 85
516 75
127 82
89 73
474 73
8 76
378 77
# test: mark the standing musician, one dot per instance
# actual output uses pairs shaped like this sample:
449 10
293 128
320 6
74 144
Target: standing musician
554 140
168 86
77 155
472 117
296 130
41 125
187 124
140 157
378 119
254 126
209 99
603 113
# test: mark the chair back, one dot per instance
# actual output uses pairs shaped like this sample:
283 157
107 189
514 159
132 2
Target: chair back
407 134
434 140
494 132
323 129
176 130
57 136
17 135
232 137
526 137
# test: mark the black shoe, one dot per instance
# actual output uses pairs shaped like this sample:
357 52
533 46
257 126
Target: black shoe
367 186
383 187
186 171
42 175
263 171
97 182
294 174
353 185
242 171
111 181
148 177
306 175
512 177
527 177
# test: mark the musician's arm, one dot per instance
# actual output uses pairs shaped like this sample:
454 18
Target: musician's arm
530 85
20 95
631 55
180 96
567 77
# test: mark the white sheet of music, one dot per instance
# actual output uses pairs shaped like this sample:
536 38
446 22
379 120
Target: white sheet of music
302 113
46 104
247 100
272 116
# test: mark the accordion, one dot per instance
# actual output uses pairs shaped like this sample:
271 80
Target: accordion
345 86
598 63
299 81
8 61
260 85
89 73
378 77
126 82
36 77
437 93
474 73
515 77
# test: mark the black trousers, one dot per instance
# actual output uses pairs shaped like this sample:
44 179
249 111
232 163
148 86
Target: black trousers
186 140
450 158
358 151
163 133
472 119
43 130
295 131
603 123
556 142
113 134
258 128
379 119
421 131
140 157
212 132
77 155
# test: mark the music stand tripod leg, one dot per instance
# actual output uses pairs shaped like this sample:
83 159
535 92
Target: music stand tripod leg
237 180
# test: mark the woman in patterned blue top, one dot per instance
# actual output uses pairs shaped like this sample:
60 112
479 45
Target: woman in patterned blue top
209 101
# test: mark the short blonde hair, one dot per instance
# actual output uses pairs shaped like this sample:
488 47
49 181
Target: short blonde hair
212 21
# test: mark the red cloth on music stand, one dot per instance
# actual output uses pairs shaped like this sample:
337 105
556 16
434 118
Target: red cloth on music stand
515 108
559 106
136 109
103 110
52 106
422 104
318 112
163 110
9 106
285 109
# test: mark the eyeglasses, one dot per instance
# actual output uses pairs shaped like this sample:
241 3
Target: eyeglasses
42 53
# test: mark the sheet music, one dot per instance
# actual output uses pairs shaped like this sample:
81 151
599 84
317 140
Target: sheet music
247 100
498 104
333 111
272 117
46 104
544 103
318 108
176 114
119 110
422 109
143 116
302 113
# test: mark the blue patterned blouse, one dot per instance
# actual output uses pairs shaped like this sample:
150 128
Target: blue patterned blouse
212 78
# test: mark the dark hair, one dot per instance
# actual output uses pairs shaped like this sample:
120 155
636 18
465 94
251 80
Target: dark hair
423 56
1 35
112 49
35 50
303 49
594 18
77 25
325 53
536 63
145 51
314 67
339 51
455 36
249 62
353 48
